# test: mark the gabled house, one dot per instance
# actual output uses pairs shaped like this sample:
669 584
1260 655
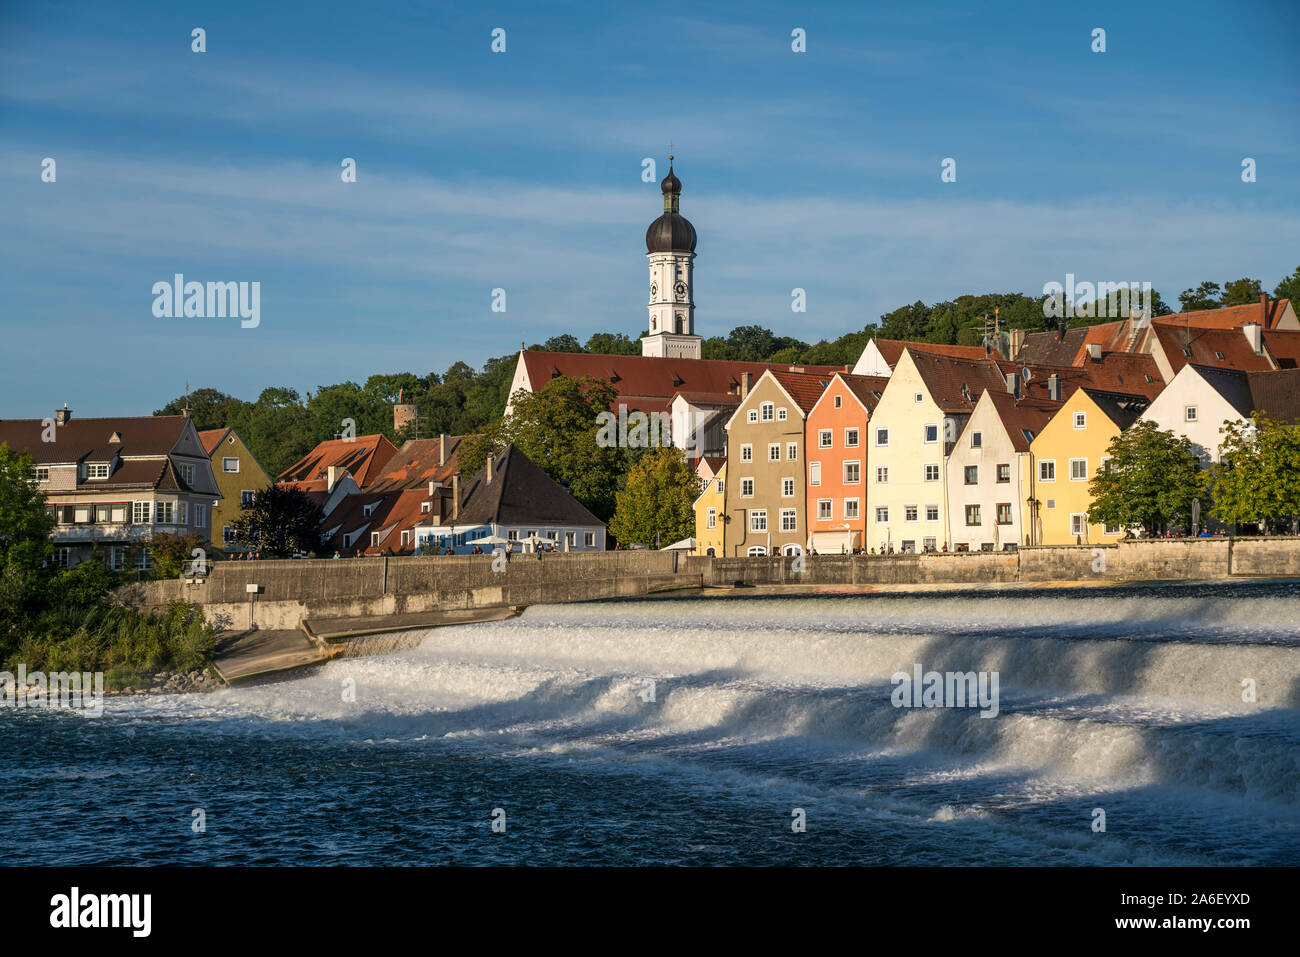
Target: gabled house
880 356
363 457
239 477
711 514
765 484
836 431
113 483
1064 457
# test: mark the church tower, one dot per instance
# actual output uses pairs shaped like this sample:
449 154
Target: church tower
670 247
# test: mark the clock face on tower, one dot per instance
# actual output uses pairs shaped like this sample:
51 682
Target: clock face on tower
654 289
681 289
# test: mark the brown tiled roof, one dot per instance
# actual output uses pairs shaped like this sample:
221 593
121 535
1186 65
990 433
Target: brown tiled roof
87 440
363 457
640 380
1122 415
415 465
520 493
1205 345
1232 317
1019 415
1276 394
708 398
1052 349
867 388
804 387
1128 372
944 376
892 349
1284 347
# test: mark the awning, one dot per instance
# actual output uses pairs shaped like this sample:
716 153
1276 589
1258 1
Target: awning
833 543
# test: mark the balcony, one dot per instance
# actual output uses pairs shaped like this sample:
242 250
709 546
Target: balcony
120 533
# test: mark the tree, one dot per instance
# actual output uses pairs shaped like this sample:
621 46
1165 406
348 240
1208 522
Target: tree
1258 476
1241 292
1150 480
1289 288
1204 296
657 506
25 529
612 344
280 522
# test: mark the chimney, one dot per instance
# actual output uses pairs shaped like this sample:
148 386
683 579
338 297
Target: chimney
746 380
455 496
1263 309
1054 387
1015 342
1013 384
489 469
1254 335
332 477
1094 351
442 448
61 416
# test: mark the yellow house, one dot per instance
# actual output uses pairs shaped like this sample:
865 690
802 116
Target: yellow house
238 476
1063 459
710 514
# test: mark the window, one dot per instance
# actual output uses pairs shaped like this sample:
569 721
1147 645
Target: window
814 473
910 513
720 487
368 510
246 498
977 440
1004 473
932 473
711 518
850 438
1189 413
570 539
758 520
882 514
972 515
753 415
839 401
1219 356
972 475
374 539
918 398
511 536
140 513
182 513
929 543
426 507
882 436
824 509
1187 352
747 488
200 516
756 551
63 558
187 473
230 464
228 534
1078 523
931 434
1004 513
780 415
1047 470
1078 470
97 471
787 488
41 473
766 408
406 538
1051 503
143 559
1111 530
882 474
850 508
746 453
589 539
907 546
932 513
789 522
1081 420
116 558
852 473
792 451
824 439
774 452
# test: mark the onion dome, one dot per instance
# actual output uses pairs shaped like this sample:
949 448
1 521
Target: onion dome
671 232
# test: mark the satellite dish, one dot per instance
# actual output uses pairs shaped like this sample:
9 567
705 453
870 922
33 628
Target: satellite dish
1027 373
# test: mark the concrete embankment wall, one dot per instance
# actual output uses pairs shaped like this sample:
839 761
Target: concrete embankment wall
291 591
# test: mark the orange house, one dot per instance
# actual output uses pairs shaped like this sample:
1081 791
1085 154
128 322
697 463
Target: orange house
836 440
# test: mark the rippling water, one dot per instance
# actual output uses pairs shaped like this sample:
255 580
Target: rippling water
1128 700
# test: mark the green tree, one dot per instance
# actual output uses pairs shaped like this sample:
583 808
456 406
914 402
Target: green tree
280 522
612 344
1150 480
1241 292
1289 288
1204 296
1258 476
25 529
657 506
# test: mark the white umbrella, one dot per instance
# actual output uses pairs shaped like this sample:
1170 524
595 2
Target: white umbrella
685 543
490 540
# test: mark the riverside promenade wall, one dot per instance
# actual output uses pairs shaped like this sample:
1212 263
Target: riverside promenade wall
288 592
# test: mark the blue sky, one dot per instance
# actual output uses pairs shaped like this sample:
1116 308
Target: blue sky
522 171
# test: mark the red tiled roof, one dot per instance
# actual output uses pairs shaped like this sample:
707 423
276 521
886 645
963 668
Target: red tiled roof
1128 372
364 457
804 387
1206 345
1232 317
1284 347
211 438
415 465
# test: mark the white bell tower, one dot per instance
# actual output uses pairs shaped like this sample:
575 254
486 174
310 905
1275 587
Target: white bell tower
670 248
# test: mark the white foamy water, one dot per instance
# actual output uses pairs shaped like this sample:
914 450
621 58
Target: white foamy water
1131 703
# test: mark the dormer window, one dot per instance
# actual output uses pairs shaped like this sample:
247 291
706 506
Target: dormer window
425 507
97 470
1219 356
368 510
187 473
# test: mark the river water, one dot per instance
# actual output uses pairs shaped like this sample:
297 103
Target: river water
688 731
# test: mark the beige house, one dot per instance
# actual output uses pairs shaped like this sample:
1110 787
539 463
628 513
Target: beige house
112 484
765 480
238 476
